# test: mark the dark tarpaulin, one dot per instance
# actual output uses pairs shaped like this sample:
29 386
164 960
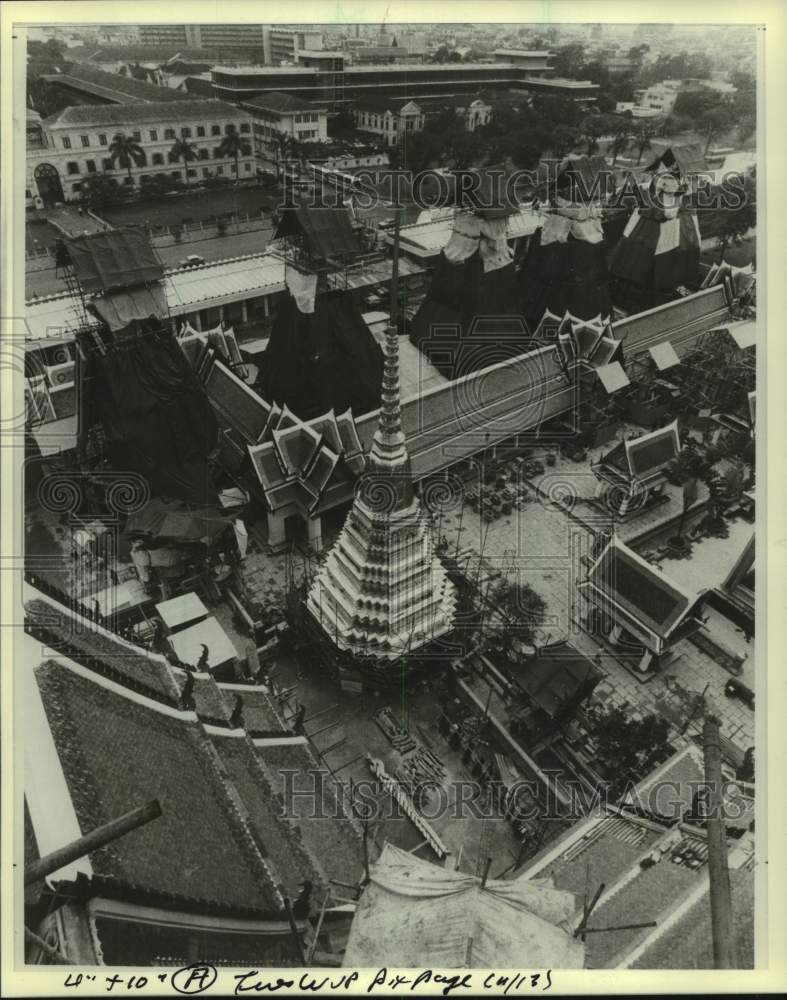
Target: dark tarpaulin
569 276
327 231
469 318
176 522
323 360
121 308
156 416
119 258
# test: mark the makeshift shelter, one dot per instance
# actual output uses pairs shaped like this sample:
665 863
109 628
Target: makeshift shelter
566 265
322 234
175 522
416 914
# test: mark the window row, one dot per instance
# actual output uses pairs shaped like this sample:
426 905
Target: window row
186 132
156 159
175 175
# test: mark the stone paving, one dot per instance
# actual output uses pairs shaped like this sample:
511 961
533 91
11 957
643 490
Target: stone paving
543 546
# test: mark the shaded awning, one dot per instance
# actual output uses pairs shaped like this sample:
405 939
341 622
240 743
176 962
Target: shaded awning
176 522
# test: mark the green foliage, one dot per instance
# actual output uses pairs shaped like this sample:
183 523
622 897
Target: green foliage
628 749
101 190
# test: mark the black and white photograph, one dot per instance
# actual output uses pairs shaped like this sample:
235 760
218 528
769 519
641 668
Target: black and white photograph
387 504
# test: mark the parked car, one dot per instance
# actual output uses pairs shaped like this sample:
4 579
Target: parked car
737 689
193 260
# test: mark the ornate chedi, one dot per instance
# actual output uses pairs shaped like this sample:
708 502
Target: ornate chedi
382 591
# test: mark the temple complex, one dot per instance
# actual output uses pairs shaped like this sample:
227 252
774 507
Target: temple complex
382 590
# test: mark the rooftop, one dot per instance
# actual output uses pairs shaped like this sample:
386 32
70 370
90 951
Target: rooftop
151 111
275 100
112 86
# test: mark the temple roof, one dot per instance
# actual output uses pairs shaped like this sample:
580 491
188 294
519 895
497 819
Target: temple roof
637 594
118 750
644 457
295 459
327 231
559 675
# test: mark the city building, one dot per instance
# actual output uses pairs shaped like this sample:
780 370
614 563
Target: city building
477 112
413 81
534 61
218 37
389 119
276 114
85 84
581 91
282 45
74 144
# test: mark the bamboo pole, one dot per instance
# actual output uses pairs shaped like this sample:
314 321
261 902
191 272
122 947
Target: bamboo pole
99 837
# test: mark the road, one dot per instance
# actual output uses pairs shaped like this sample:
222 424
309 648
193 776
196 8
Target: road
45 282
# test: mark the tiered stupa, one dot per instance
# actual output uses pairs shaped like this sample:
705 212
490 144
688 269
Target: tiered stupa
382 591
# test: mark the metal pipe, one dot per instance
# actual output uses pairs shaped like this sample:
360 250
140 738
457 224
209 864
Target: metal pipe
47 948
296 934
718 870
99 837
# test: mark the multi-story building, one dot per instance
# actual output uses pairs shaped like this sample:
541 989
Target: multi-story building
535 61
276 114
413 81
282 45
389 119
222 37
74 144
477 112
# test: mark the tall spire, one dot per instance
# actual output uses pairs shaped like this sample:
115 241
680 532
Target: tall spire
389 450
382 585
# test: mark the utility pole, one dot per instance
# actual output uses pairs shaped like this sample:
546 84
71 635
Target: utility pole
718 870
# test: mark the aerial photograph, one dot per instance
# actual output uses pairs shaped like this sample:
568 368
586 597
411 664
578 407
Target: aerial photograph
389 497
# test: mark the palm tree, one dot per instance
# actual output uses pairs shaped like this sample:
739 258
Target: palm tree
125 150
182 149
233 146
619 144
285 144
642 140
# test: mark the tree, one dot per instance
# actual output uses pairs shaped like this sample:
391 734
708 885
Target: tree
643 137
464 148
569 60
520 606
125 150
714 123
421 151
285 144
182 149
100 190
619 144
627 749
734 222
233 146
592 128
564 139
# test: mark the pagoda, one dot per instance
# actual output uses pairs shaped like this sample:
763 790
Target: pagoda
382 592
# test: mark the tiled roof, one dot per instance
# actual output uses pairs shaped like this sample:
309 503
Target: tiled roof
276 100
136 114
688 944
639 589
260 716
607 850
121 89
100 650
330 837
652 893
118 751
278 839
198 85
